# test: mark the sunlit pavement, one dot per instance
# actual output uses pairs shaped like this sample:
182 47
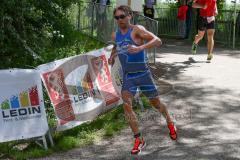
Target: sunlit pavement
204 103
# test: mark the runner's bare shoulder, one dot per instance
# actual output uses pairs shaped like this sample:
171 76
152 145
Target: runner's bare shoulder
138 28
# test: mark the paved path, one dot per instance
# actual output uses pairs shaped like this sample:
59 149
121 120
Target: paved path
204 102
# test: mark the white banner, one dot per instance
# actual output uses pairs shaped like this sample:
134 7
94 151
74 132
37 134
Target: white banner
21 105
80 87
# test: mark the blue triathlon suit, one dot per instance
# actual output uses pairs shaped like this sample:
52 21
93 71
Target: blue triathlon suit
136 73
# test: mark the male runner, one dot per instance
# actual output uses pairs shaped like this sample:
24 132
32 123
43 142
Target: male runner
206 21
130 48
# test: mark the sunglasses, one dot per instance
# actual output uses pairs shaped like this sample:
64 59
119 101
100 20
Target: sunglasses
120 17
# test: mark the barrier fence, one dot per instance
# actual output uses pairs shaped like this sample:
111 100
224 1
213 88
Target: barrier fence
97 21
167 22
80 88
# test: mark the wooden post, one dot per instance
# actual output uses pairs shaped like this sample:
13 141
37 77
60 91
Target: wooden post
129 3
234 23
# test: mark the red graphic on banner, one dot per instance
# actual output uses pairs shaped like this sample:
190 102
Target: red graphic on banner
59 95
64 112
100 67
33 94
89 81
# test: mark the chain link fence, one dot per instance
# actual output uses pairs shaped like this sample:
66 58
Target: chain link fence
152 26
167 25
97 21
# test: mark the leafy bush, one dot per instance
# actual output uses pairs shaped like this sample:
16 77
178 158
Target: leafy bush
27 30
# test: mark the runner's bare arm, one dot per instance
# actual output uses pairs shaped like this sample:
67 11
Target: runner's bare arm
145 35
198 5
114 52
216 11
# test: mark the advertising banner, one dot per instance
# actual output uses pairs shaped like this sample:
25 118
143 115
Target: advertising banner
80 87
21 105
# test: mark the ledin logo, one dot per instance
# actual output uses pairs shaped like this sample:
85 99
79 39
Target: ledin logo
84 88
25 103
85 84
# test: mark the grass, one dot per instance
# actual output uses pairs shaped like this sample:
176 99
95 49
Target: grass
104 126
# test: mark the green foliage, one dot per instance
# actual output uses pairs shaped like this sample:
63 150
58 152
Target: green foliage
220 4
75 43
27 30
67 142
33 152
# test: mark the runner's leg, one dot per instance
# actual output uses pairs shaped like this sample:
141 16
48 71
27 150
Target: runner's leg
128 111
210 44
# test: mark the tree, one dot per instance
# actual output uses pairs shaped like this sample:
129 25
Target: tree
26 28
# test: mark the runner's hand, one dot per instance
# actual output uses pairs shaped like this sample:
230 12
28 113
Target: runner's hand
134 49
111 61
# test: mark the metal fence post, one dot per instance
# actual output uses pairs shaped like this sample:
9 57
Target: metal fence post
234 22
155 50
78 19
92 23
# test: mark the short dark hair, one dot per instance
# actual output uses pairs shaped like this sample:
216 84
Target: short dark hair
126 9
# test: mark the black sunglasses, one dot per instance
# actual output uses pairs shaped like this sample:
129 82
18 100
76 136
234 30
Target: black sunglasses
120 17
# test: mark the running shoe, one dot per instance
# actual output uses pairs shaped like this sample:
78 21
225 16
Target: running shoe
194 48
210 56
172 131
139 144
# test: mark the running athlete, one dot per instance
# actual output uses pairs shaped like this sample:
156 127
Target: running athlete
130 43
206 21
